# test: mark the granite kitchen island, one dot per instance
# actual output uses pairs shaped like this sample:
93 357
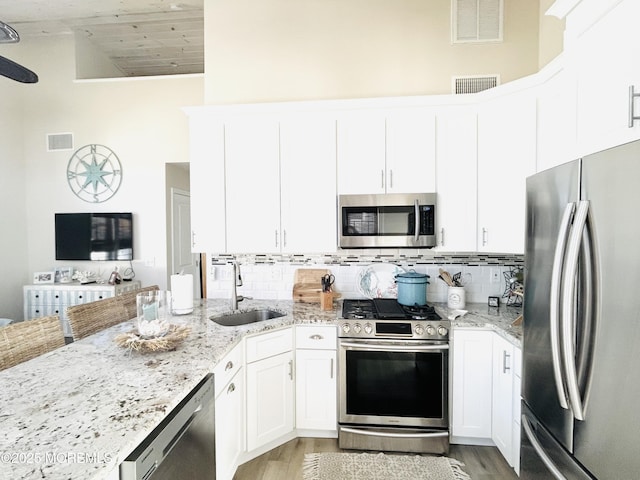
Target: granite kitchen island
77 412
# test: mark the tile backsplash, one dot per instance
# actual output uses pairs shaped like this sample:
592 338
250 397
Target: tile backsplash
271 276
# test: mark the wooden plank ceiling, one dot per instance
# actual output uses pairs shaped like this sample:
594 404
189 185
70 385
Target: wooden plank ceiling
140 37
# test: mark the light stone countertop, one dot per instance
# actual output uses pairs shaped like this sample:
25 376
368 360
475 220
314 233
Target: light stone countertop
480 315
77 412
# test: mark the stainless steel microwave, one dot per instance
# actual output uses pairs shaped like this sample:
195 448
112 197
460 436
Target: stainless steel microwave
387 220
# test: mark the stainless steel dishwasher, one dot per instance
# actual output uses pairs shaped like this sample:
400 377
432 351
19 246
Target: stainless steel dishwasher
183 445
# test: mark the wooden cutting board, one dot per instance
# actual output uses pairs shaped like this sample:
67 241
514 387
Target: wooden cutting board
307 285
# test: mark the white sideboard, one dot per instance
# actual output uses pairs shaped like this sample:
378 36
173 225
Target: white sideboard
53 299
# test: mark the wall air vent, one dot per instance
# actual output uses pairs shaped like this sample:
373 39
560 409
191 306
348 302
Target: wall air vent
477 21
59 141
474 84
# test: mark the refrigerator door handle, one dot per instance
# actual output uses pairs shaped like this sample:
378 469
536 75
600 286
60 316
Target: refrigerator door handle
568 308
526 426
554 302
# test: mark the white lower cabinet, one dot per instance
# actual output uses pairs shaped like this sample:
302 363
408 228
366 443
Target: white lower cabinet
270 387
471 384
517 407
316 382
486 392
230 428
502 403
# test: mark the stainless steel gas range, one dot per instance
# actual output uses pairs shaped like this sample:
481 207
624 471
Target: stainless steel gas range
393 377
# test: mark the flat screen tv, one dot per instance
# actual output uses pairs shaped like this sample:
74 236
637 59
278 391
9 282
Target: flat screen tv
94 236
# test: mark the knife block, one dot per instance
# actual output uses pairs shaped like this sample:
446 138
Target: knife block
326 300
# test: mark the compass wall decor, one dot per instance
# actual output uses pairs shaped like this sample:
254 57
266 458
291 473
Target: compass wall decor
94 173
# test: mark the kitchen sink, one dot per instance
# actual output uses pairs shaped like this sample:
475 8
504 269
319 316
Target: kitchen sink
244 318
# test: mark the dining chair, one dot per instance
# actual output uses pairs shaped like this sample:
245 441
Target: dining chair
88 318
22 341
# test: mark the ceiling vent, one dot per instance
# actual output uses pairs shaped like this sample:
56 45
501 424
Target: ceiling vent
59 141
474 84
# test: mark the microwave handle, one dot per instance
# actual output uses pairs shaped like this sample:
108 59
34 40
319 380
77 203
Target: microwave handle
417 222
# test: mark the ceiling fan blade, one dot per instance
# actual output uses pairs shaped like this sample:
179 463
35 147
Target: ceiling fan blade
8 34
12 70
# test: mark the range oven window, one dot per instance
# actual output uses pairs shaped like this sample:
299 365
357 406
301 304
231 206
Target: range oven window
398 384
387 221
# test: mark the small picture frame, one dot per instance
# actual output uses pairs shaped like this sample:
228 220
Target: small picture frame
44 277
494 301
64 274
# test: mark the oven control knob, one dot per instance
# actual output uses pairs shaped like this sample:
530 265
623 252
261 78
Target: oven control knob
368 328
357 328
419 329
346 328
442 331
431 330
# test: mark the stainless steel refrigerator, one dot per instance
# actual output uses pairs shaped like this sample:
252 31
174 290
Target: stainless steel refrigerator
581 346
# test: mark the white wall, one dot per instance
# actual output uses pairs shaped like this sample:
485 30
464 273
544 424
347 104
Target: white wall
141 120
13 248
279 50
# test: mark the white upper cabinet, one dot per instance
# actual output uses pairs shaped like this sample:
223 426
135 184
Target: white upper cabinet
386 151
556 122
361 153
606 62
308 183
411 151
206 154
252 185
506 157
457 179
281 184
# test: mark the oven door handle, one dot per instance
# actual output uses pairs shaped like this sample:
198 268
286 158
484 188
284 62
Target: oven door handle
394 348
394 435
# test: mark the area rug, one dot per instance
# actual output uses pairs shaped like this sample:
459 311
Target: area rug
380 466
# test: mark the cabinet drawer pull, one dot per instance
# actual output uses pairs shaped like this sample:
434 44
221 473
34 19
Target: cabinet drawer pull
316 337
485 236
231 388
331 372
228 366
291 369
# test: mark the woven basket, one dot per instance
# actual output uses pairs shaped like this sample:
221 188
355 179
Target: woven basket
23 341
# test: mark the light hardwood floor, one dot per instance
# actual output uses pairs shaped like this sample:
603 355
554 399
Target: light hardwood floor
285 462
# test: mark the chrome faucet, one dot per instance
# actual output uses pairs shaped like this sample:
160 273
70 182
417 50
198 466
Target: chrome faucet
236 282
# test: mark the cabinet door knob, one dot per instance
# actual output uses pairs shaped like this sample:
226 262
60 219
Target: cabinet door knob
231 389
228 366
